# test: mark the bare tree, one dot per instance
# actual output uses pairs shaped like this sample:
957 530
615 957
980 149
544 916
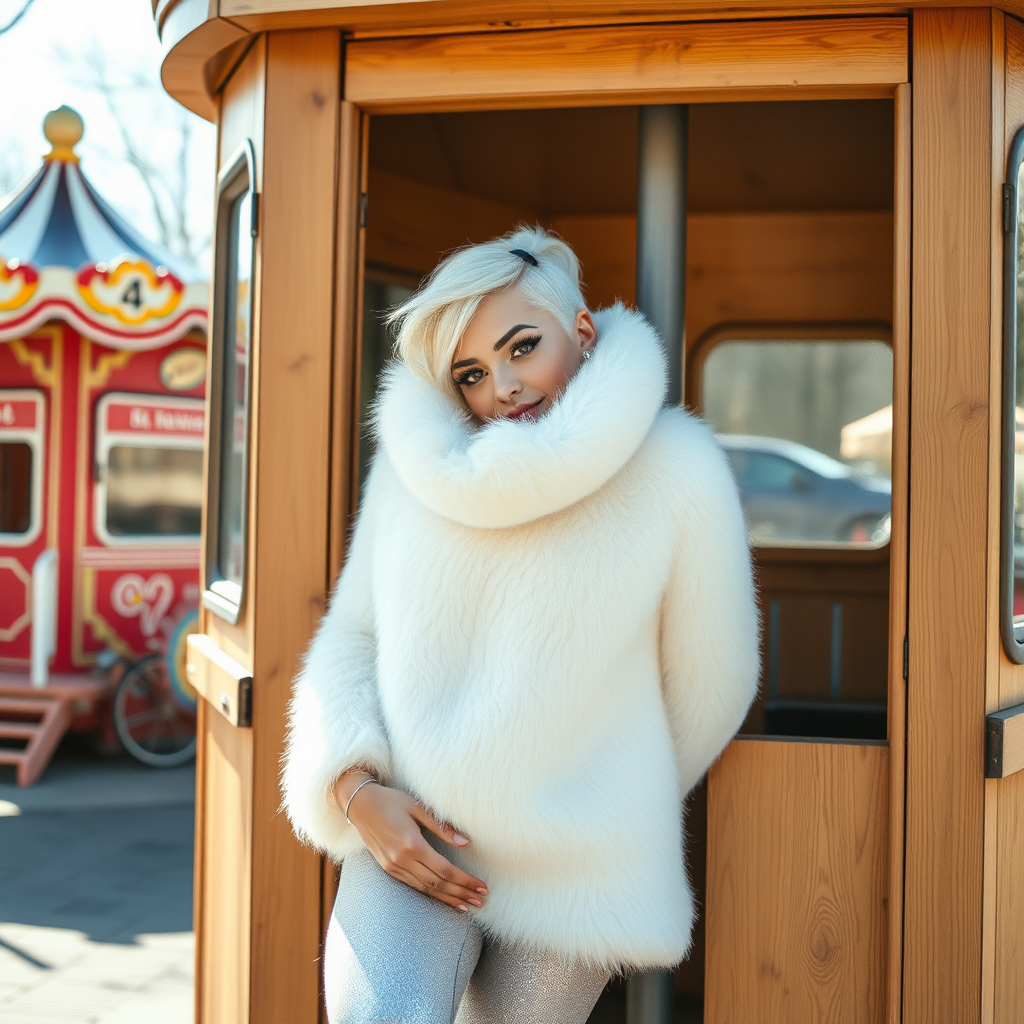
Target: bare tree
166 181
14 168
14 21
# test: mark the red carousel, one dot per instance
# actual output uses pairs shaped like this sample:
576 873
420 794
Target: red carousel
102 381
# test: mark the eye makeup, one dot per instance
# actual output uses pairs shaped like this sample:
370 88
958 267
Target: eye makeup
472 374
525 345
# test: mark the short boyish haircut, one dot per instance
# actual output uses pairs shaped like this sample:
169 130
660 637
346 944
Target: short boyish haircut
429 325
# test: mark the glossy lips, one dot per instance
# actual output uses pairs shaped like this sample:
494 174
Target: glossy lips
528 412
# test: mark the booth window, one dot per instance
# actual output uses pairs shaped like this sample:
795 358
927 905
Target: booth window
15 487
149 469
1012 525
22 417
807 427
383 290
154 492
227 547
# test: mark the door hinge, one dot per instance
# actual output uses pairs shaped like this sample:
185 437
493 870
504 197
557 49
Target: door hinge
364 209
906 657
1007 208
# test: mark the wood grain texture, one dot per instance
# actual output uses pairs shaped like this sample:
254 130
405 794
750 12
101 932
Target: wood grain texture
196 35
898 549
788 267
794 267
292 492
563 67
797 866
223 928
949 514
383 16
413 224
224 684
1008 980
224 762
997 78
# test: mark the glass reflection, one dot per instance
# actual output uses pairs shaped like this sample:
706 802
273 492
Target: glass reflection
15 487
1018 446
235 403
807 427
154 491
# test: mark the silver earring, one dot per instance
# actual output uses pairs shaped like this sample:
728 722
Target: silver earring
587 353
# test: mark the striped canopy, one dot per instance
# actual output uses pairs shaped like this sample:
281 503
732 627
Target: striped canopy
65 254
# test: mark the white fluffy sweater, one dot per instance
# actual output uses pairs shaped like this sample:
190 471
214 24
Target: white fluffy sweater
545 631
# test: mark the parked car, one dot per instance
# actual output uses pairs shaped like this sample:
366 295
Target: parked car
793 493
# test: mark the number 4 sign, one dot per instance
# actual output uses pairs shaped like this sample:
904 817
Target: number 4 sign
131 291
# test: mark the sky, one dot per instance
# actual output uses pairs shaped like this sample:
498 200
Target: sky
49 58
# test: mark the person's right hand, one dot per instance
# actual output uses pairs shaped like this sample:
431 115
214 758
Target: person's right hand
389 822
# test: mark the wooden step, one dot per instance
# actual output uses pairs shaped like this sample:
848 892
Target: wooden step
53 716
77 686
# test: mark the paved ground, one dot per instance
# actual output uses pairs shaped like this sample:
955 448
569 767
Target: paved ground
96 894
96 897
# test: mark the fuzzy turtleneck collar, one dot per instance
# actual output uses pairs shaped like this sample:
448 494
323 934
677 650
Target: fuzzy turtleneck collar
510 472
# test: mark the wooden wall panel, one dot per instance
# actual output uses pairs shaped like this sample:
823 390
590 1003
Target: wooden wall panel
623 64
224 884
740 266
411 224
292 463
223 834
797 883
949 514
788 266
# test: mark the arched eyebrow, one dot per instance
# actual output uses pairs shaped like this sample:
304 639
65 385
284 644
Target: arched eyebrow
510 333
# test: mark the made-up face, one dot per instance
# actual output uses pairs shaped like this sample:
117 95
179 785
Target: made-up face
514 360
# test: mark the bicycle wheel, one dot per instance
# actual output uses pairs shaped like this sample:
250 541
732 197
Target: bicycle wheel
155 725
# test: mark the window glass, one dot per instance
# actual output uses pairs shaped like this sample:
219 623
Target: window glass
15 487
807 427
154 491
380 296
1018 424
235 398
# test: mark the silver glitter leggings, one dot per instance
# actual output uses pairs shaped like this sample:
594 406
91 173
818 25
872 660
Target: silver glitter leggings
396 956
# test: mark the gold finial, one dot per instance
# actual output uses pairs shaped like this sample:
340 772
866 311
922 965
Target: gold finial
63 129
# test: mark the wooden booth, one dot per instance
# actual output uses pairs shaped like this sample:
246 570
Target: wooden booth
809 202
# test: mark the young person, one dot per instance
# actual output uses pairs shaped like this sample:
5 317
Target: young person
544 634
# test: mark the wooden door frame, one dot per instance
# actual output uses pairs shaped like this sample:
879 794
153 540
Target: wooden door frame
841 58
847 58
310 142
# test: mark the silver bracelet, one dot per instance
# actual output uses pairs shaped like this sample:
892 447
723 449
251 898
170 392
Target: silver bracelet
354 791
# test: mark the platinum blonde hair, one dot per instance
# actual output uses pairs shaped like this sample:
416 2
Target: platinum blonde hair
430 324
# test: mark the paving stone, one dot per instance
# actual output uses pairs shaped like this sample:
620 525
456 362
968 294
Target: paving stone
96 897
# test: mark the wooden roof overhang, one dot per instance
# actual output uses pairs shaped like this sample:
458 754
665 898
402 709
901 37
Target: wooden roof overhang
203 40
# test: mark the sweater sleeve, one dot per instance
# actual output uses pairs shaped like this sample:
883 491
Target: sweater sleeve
334 718
709 620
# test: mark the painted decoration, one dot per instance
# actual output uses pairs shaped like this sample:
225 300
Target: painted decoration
65 254
183 369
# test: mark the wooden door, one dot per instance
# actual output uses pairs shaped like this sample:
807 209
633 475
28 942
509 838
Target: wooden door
257 891
261 898
767 796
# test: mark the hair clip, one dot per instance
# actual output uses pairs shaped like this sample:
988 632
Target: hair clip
526 257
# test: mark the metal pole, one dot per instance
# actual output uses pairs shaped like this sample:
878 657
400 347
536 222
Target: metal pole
661 231
661 297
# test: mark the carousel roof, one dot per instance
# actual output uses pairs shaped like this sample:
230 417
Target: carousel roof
65 254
